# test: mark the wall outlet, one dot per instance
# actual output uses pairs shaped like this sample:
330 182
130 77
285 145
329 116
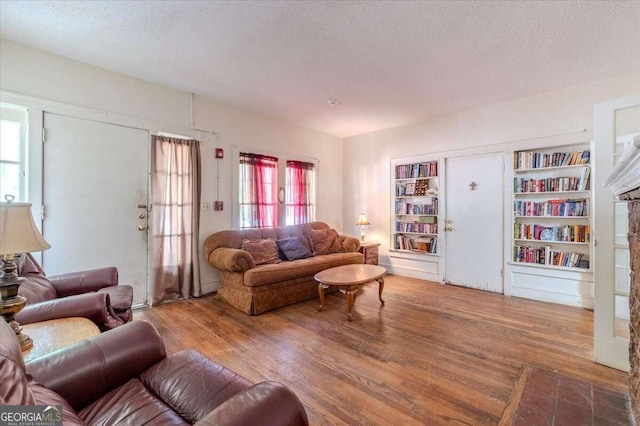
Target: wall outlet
218 206
205 206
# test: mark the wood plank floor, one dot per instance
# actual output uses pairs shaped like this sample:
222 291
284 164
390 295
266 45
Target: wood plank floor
433 354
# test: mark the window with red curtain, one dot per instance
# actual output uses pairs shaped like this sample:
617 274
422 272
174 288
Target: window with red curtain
258 191
300 193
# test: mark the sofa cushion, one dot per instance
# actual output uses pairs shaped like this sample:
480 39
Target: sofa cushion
263 251
191 384
324 241
44 396
130 404
269 274
293 249
36 287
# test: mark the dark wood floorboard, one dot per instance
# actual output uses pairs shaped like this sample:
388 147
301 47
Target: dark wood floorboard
433 354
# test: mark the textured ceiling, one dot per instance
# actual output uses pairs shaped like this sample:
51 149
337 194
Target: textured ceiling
388 63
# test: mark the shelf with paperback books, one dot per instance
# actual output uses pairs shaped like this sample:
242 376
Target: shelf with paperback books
551 208
415 227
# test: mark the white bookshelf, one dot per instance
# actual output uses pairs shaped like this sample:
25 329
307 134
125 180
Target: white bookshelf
552 239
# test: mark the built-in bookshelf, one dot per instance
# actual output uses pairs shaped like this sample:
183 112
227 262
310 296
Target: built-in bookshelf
551 208
415 223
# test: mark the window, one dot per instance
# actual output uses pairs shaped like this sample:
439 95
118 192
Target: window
300 194
259 205
13 128
258 191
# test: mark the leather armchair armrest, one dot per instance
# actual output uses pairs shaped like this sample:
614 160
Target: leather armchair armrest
84 281
265 404
84 372
93 306
349 244
232 260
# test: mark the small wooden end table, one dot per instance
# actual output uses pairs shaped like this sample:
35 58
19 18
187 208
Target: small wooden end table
350 278
49 336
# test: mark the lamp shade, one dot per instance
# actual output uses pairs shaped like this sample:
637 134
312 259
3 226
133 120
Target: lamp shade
18 231
362 220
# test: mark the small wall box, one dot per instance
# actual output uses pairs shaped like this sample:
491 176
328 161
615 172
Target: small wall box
219 153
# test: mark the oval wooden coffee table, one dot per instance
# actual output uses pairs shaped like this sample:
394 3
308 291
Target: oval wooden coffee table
350 278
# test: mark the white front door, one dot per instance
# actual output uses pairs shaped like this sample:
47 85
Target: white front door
474 221
95 182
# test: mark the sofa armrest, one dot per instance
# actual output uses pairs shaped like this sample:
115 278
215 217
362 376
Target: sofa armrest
84 372
93 306
84 281
349 244
232 260
267 403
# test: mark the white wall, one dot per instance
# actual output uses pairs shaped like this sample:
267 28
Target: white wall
367 157
35 73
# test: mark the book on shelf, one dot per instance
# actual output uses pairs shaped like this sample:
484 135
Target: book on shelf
417 170
565 233
552 208
584 178
548 256
429 206
559 184
537 160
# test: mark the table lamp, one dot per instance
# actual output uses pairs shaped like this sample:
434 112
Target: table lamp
18 234
362 221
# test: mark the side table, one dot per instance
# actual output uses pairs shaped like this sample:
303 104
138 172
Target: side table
370 252
49 336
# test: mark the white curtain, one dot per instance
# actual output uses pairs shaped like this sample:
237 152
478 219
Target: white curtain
175 193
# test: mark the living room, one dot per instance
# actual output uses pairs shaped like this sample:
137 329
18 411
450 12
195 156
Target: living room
354 174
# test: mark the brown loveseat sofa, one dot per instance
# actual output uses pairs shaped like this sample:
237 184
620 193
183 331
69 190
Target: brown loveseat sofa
255 289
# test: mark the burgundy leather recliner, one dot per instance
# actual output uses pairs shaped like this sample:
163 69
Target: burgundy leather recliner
124 377
93 294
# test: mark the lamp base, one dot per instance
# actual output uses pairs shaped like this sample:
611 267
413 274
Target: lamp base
362 234
10 304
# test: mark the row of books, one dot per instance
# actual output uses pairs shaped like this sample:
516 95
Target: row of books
565 233
421 245
562 208
547 256
417 170
418 227
550 184
408 208
537 160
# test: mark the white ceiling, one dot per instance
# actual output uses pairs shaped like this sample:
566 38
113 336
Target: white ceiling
388 63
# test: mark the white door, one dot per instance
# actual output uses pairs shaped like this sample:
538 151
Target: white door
95 196
615 123
474 221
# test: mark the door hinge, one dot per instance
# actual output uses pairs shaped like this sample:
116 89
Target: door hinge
44 135
502 272
42 212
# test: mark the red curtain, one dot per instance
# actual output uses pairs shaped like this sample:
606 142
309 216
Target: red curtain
300 192
258 191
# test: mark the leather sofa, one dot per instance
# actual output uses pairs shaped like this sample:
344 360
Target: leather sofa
93 294
124 377
255 289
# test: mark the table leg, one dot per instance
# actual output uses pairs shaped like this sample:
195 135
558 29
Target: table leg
380 288
321 294
350 299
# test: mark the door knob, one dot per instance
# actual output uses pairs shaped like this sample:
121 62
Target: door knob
448 228
141 227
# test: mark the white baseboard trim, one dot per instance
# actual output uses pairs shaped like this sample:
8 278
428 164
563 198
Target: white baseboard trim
410 272
206 288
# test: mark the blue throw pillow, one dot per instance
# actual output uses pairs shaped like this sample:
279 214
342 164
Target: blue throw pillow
293 248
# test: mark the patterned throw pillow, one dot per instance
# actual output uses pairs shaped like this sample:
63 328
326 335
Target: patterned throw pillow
293 248
324 241
262 251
